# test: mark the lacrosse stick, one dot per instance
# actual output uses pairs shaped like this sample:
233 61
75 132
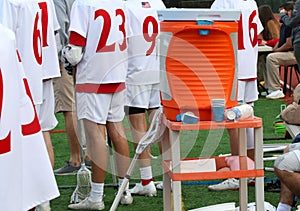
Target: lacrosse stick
151 137
112 161
83 177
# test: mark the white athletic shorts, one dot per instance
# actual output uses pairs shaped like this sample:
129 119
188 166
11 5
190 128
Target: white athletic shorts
294 146
45 111
247 91
289 161
100 108
142 96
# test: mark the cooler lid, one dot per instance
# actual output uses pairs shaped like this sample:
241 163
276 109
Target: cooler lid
177 14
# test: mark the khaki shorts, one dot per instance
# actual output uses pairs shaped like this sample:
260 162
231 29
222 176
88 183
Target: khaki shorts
64 92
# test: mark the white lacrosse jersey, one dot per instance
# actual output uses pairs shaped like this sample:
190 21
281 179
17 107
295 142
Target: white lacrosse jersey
104 26
10 136
50 57
21 142
33 22
249 29
143 47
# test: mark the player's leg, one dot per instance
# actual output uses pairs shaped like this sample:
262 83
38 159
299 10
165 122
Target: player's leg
48 122
47 119
139 98
117 134
93 110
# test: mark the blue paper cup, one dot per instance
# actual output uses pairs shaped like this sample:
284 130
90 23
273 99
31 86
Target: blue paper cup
218 113
218 109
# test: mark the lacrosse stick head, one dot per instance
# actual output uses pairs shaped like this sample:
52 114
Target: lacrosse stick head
153 134
83 186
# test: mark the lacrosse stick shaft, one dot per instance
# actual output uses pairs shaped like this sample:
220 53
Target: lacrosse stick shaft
112 161
146 141
124 183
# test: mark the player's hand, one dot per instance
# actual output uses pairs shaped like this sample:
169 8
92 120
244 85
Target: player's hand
71 55
68 67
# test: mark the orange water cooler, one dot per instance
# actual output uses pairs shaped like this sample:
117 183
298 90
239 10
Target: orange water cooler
198 60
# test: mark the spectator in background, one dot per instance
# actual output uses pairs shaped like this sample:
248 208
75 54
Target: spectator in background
64 93
283 54
269 36
271 31
294 23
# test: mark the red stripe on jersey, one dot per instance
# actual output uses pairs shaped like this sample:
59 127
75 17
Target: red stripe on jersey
100 88
47 79
18 55
77 39
248 79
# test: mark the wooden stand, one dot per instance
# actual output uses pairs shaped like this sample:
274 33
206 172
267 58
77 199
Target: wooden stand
173 176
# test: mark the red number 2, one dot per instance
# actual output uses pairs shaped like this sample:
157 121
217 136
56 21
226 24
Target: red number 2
5 143
40 40
102 45
34 126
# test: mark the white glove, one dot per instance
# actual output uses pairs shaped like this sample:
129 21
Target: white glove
72 54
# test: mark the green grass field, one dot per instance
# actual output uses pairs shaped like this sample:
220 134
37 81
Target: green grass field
194 195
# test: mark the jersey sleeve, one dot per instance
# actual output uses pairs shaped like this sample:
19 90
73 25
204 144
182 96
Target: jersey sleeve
78 22
9 15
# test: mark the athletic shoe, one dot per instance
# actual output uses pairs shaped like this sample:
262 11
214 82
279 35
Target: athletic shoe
160 186
87 204
146 190
126 198
43 207
229 184
67 169
264 93
275 94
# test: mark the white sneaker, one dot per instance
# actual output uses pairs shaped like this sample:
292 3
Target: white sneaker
275 94
160 186
264 93
229 184
87 204
147 190
126 198
43 207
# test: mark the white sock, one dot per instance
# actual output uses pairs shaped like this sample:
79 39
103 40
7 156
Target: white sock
120 183
283 207
146 173
96 191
